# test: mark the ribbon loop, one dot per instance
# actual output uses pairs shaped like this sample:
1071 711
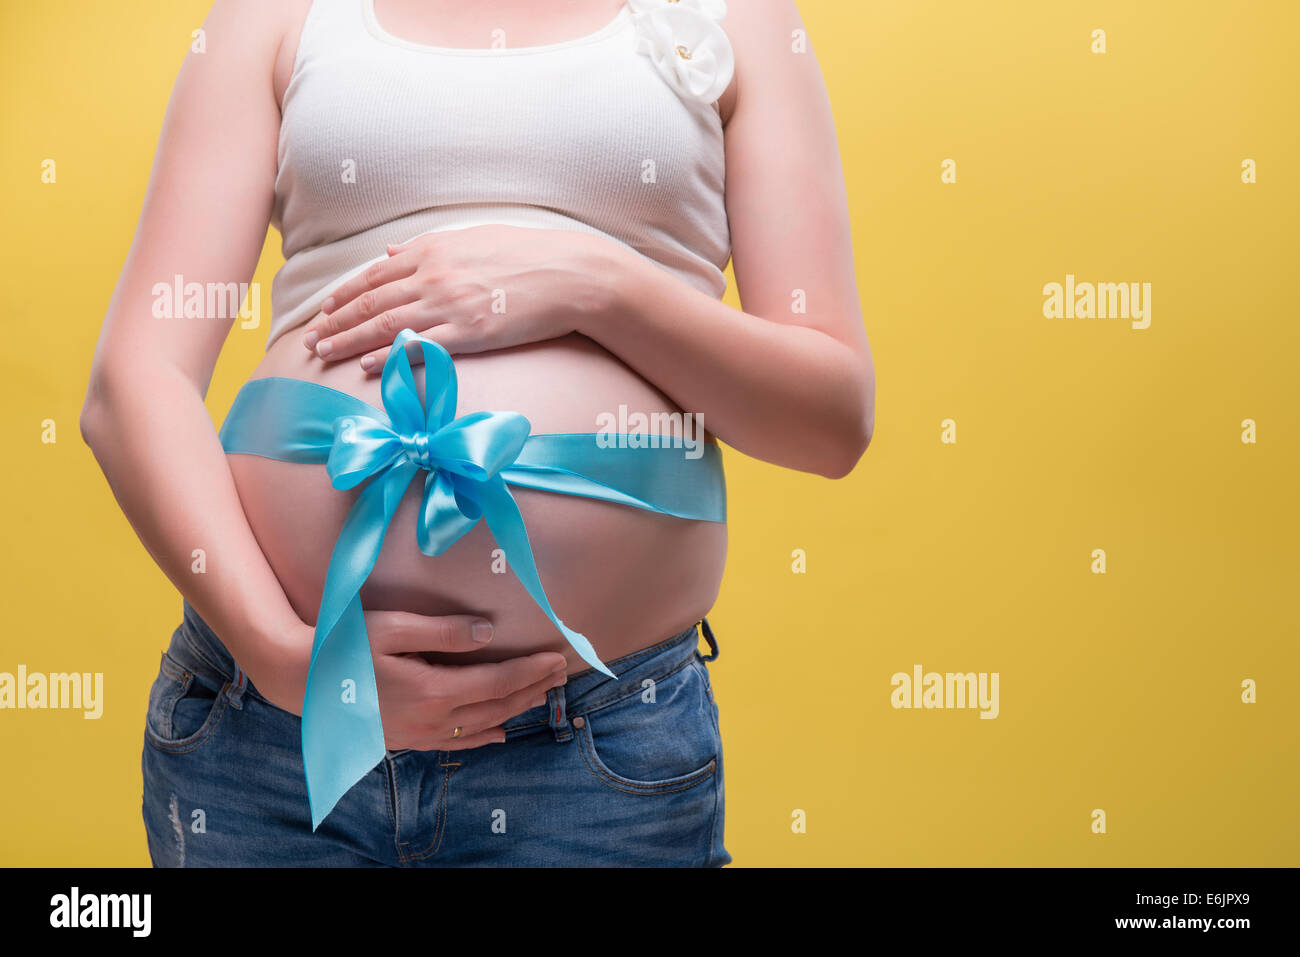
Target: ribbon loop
472 448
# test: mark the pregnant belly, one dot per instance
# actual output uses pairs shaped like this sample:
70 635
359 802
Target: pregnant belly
624 577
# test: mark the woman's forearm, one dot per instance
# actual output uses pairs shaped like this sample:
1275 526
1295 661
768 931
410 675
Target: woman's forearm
154 440
785 393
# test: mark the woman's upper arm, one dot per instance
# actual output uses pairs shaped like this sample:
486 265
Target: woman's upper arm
209 198
786 199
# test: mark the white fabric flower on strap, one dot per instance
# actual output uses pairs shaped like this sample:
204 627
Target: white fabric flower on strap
686 44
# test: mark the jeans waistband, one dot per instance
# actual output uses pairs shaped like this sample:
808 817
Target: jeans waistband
196 646
202 652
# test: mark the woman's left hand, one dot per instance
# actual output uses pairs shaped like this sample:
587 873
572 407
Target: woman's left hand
470 290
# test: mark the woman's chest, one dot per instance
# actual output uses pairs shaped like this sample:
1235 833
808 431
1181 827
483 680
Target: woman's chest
599 138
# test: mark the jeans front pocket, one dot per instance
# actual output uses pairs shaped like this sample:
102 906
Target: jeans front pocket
183 710
661 739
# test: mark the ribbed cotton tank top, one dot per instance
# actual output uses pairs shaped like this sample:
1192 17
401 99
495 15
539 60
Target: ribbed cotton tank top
616 132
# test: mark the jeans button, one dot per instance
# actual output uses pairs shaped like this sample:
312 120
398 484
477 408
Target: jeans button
579 722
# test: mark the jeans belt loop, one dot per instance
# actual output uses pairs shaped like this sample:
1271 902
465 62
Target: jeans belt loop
557 715
238 685
713 642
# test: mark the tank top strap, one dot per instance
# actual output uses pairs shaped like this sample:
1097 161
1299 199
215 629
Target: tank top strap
331 25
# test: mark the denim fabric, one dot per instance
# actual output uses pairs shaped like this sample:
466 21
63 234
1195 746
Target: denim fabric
624 772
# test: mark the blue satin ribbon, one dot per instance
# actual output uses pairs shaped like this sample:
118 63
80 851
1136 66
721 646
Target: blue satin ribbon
469 463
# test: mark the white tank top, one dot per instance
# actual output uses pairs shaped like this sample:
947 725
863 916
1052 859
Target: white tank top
616 132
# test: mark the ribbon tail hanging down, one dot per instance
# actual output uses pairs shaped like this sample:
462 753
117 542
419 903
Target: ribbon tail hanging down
342 733
507 526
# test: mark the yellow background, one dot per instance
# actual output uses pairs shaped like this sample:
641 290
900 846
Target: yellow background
1118 691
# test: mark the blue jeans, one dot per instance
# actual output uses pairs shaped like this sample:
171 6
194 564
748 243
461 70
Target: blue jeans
624 772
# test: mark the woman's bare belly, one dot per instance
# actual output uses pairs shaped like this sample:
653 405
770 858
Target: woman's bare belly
624 577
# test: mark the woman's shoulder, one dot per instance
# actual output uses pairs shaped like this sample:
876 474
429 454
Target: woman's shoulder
759 31
269 33
773 52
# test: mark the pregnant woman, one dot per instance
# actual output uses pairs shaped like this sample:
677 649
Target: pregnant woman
547 193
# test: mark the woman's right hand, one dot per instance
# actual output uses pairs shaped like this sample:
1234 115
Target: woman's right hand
421 704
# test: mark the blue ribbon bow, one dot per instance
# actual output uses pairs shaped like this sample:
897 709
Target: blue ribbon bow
469 462
461 455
